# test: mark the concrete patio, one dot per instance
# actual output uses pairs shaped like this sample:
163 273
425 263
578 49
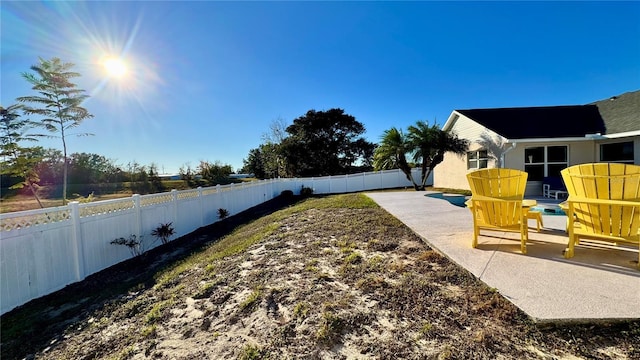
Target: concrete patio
599 283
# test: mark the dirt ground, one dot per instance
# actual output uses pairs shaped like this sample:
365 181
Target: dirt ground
326 278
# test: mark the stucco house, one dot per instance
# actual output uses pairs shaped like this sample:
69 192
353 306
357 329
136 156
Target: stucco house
543 140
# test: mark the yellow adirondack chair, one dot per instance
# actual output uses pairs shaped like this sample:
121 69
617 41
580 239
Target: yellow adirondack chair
603 203
496 202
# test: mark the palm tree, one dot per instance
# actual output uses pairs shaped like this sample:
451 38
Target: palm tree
429 143
391 153
59 101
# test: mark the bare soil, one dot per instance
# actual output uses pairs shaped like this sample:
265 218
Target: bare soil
324 278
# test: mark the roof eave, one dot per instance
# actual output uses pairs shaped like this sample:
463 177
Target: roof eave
554 140
587 137
623 134
451 120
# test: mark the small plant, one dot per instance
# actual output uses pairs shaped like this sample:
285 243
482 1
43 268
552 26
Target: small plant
426 328
206 290
223 213
164 232
250 352
311 268
134 245
353 258
300 310
149 331
156 312
286 194
306 191
253 299
330 329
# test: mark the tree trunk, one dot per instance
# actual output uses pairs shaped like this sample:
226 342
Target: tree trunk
407 173
65 167
35 195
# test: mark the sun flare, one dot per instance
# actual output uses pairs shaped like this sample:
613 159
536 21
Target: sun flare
115 67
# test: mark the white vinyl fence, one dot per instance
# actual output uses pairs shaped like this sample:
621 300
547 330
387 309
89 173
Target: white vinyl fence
44 250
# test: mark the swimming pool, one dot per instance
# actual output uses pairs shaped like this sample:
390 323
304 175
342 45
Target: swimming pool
548 209
454 199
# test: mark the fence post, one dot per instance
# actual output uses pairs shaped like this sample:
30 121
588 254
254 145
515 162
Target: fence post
138 211
346 182
201 202
78 255
232 191
220 200
174 206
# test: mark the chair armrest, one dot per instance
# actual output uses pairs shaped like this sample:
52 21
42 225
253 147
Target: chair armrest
494 199
564 206
583 200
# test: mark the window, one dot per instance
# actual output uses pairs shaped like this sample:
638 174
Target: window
477 159
617 152
545 161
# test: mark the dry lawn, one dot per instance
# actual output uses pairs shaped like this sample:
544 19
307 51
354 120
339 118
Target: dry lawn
324 278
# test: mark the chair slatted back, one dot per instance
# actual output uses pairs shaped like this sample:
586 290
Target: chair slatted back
589 184
498 183
603 181
504 184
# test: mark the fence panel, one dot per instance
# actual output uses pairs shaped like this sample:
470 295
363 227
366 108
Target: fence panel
211 202
190 215
98 231
337 184
372 180
42 251
320 185
35 263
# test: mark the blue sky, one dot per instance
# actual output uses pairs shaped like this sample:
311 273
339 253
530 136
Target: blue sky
206 79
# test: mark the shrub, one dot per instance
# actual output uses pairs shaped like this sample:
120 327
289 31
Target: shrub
163 232
134 245
286 194
223 213
306 191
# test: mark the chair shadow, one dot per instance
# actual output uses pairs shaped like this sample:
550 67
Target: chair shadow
550 244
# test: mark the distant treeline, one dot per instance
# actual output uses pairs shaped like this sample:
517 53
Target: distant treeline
95 173
53 191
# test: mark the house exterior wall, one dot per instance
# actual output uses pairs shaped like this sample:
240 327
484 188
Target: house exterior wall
578 152
451 172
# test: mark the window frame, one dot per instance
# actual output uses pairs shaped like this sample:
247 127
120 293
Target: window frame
545 163
619 143
477 159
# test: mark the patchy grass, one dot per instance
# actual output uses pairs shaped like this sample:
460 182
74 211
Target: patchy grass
327 277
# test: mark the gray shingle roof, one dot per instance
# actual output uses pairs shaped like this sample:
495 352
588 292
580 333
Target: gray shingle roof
621 113
615 115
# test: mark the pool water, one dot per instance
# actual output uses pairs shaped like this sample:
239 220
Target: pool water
548 209
454 199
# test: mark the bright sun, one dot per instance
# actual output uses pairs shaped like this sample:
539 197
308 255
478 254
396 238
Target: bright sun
115 67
